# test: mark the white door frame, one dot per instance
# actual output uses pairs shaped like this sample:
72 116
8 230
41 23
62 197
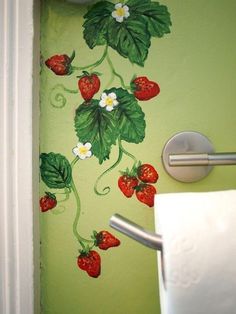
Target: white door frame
19 257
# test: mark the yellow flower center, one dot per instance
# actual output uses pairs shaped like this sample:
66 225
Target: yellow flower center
83 150
120 12
109 101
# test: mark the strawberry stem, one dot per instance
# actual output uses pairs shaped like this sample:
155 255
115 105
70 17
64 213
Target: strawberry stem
58 100
127 153
74 162
107 189
114 73
80 239
95 64
72 56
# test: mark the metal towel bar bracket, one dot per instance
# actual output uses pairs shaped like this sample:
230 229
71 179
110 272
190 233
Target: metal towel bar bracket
189 157
136 232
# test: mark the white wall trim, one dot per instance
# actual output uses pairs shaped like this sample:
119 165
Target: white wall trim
16 138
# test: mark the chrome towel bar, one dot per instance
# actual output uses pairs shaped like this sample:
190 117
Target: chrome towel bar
136 232
189 156
215 159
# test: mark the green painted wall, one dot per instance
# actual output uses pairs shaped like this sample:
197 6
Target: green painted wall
195 68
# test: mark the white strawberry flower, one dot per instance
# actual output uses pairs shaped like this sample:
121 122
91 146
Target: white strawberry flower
108 101
121 11
82 151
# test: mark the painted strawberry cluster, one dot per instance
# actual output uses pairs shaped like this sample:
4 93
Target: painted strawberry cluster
90 260
57 174
108 117
139 181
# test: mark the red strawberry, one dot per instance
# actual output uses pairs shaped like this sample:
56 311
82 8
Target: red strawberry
60 64
89 85
144 89
127 184
105 240
147 173
48 202
90 262
145 193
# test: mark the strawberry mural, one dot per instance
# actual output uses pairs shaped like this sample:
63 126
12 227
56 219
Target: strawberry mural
90 262
89 85
105 240
127 184
108 117
48 201
144 89
60 64
145 193
147 173
138 180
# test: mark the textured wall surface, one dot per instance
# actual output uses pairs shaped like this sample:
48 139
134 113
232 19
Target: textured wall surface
194 66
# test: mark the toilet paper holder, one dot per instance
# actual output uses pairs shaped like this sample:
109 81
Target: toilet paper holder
189 156
136 232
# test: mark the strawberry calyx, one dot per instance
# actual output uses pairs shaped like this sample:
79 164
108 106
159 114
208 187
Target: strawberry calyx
105 240
91 263
131 172
51 195
88 74
85 73
133 86
98 238
69 66
94 237
140 187
72 56
85 250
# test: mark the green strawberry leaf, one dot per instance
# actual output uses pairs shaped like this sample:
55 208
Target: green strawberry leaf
96 23
130 38
55 170
155 14
129 116
96 125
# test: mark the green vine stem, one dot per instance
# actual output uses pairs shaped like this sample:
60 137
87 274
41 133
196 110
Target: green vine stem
80 239
95 64
66 193
114 73
76 159
107 189
110 81
122 151
126 152
58 100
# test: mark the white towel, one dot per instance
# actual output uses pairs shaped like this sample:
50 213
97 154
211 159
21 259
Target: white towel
199 240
